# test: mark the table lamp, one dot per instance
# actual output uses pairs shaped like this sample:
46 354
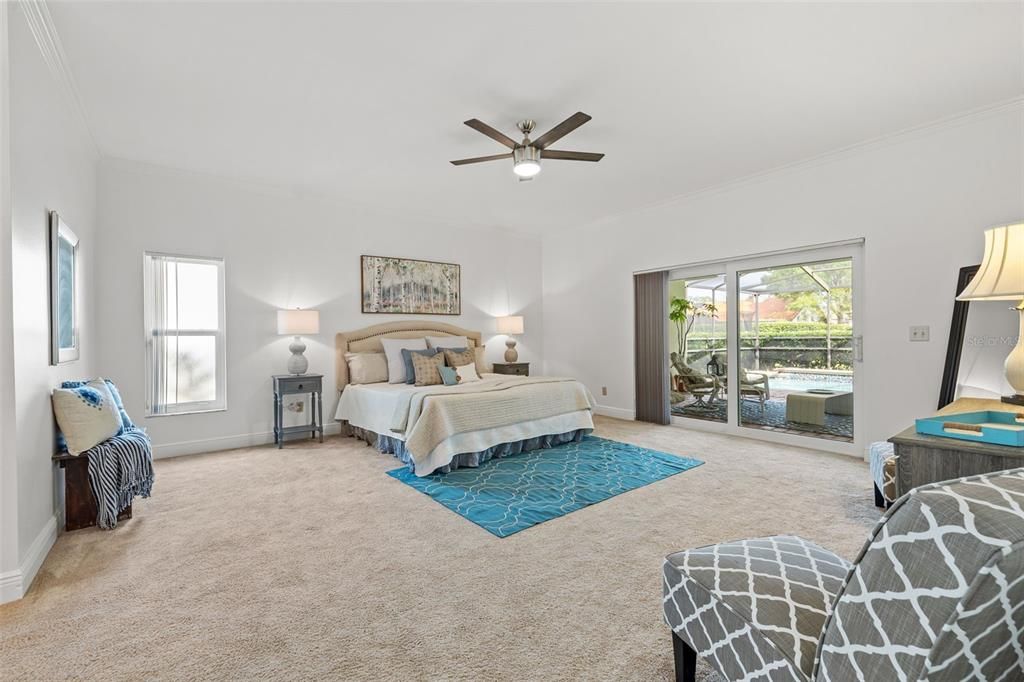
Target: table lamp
512 324
296 323
1001 278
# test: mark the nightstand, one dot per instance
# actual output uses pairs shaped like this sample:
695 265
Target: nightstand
292 384
519 368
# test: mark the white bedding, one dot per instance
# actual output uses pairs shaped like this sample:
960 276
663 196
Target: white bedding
372 407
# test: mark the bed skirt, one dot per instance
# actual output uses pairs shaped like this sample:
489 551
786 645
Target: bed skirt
396 447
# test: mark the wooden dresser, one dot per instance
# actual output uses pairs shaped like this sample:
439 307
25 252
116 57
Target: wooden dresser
927 459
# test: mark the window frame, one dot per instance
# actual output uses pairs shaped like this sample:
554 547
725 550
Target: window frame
220 402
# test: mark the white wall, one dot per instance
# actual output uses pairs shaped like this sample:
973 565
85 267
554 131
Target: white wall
53 167
10 576
920 200
280 251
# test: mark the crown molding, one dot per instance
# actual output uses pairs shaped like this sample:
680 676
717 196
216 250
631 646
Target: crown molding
40 23
873 144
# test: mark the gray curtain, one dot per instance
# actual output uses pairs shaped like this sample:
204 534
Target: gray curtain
650 293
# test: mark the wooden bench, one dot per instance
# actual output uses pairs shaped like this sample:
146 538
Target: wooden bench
80 508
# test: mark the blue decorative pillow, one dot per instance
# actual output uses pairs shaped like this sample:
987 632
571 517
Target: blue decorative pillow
86 415
410 372
126 422
448 375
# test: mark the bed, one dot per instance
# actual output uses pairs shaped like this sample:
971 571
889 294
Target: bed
440 428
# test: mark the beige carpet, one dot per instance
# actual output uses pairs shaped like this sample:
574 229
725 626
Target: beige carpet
311 563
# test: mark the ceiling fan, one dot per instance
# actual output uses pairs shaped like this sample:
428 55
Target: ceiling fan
526 155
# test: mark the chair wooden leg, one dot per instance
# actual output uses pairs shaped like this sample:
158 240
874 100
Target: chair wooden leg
685 660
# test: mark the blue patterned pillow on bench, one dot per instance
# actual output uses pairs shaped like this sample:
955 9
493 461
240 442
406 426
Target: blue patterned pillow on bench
126 422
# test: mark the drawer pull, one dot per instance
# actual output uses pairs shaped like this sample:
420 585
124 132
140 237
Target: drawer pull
299 386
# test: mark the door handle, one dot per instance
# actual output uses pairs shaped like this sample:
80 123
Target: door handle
858 349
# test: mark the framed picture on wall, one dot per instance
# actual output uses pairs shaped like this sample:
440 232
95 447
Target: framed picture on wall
64 284
408 286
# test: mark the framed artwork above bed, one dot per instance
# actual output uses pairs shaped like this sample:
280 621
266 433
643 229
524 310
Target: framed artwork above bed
408 286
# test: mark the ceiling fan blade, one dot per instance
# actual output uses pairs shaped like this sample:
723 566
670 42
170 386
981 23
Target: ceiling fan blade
571 156
481 159
561 130
480 126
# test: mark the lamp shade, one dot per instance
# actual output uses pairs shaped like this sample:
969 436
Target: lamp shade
1001 275
298 322
512 324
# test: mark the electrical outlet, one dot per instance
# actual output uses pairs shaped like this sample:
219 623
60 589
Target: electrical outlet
920 333
604 390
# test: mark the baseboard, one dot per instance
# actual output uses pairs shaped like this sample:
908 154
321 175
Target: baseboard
245 440
616 412
14 584
10 586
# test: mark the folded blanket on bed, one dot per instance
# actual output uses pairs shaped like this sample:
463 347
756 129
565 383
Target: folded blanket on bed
432 414
120 468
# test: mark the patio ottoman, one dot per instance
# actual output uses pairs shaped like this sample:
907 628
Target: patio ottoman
810 408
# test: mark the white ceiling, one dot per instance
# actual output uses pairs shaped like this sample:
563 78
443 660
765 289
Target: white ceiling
365 102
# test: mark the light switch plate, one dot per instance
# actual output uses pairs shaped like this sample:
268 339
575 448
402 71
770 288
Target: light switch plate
920 333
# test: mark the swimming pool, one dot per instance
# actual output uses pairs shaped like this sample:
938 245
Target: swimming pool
801 381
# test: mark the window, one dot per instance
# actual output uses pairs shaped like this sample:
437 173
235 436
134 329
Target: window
185 347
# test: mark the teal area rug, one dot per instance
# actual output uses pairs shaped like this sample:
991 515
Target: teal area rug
509 494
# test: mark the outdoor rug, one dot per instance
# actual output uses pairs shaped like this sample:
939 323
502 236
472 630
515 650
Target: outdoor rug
774 414
508 494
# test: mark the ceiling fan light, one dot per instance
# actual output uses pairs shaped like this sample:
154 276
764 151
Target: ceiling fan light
526 169
526 161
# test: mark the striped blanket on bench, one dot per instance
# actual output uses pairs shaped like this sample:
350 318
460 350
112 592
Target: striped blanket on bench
120 468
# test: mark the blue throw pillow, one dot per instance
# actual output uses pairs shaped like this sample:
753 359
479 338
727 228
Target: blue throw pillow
410 373
126 422
448 375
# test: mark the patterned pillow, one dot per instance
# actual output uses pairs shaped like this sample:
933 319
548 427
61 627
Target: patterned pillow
87 415
458 357
126 422
407 353
425 369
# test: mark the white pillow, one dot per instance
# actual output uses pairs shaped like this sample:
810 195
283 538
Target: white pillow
366 368
396 363
87 415
448 341
467 374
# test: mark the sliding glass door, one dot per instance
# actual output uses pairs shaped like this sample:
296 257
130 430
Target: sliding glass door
769 345
796 348
698 337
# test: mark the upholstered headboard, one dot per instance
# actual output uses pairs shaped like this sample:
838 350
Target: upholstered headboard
367 340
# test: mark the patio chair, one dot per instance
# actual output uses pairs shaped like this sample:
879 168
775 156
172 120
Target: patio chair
935 594
755 384
752 384
689 380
